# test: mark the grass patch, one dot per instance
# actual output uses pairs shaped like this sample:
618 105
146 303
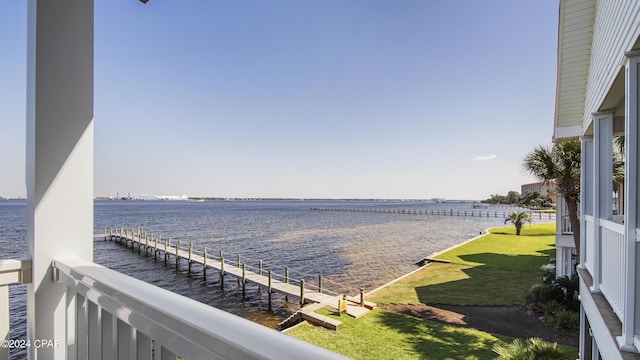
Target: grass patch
502 250
458 284
496 269
385 335
528 229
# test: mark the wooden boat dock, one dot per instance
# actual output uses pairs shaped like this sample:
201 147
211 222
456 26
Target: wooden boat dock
441 212
312 297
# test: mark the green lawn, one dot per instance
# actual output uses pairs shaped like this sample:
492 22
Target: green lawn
456 284
385 335
502 249
496 269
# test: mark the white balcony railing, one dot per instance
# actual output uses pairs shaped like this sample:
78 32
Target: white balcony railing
590 245
117 316
11 272
613 262
113 316
566 225
606 259
562 213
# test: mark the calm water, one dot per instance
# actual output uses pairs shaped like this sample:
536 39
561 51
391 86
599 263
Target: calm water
349 249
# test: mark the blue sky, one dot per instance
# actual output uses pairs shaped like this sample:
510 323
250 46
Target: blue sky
330 99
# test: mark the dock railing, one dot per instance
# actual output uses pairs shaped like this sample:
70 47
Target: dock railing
111 315
173 251
443 212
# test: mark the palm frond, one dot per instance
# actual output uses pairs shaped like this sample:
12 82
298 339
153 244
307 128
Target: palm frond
532 349
540 163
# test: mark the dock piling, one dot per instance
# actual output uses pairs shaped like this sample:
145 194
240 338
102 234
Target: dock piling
269 289
178 257
221 269
286 274
189 260
165 251
239 266
204 262
244 279
221 263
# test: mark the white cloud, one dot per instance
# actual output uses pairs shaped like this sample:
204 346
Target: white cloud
484 157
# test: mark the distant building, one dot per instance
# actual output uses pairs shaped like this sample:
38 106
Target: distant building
172 197
544 188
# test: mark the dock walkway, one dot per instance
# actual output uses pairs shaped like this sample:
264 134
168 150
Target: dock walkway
443 212
310 299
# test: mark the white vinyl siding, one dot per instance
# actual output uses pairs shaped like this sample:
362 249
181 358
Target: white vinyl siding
617 24
574 43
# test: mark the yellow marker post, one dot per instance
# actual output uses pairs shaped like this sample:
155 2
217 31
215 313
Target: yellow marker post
342 306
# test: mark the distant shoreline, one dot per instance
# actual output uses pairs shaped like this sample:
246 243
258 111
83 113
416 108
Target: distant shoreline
103 198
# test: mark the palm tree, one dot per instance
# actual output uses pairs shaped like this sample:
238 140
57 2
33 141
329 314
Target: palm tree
518 218
561 163
532 348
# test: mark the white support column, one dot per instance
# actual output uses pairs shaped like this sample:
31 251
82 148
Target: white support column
603 161
59 171
586 196
560 261
559 215
602 186
626 340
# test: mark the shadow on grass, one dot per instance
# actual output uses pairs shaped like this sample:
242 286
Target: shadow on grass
523 263
511 233
497 280
433 340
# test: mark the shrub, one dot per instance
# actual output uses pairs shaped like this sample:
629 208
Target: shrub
548 273
570 289
532 349
566 320
551 308
543 293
